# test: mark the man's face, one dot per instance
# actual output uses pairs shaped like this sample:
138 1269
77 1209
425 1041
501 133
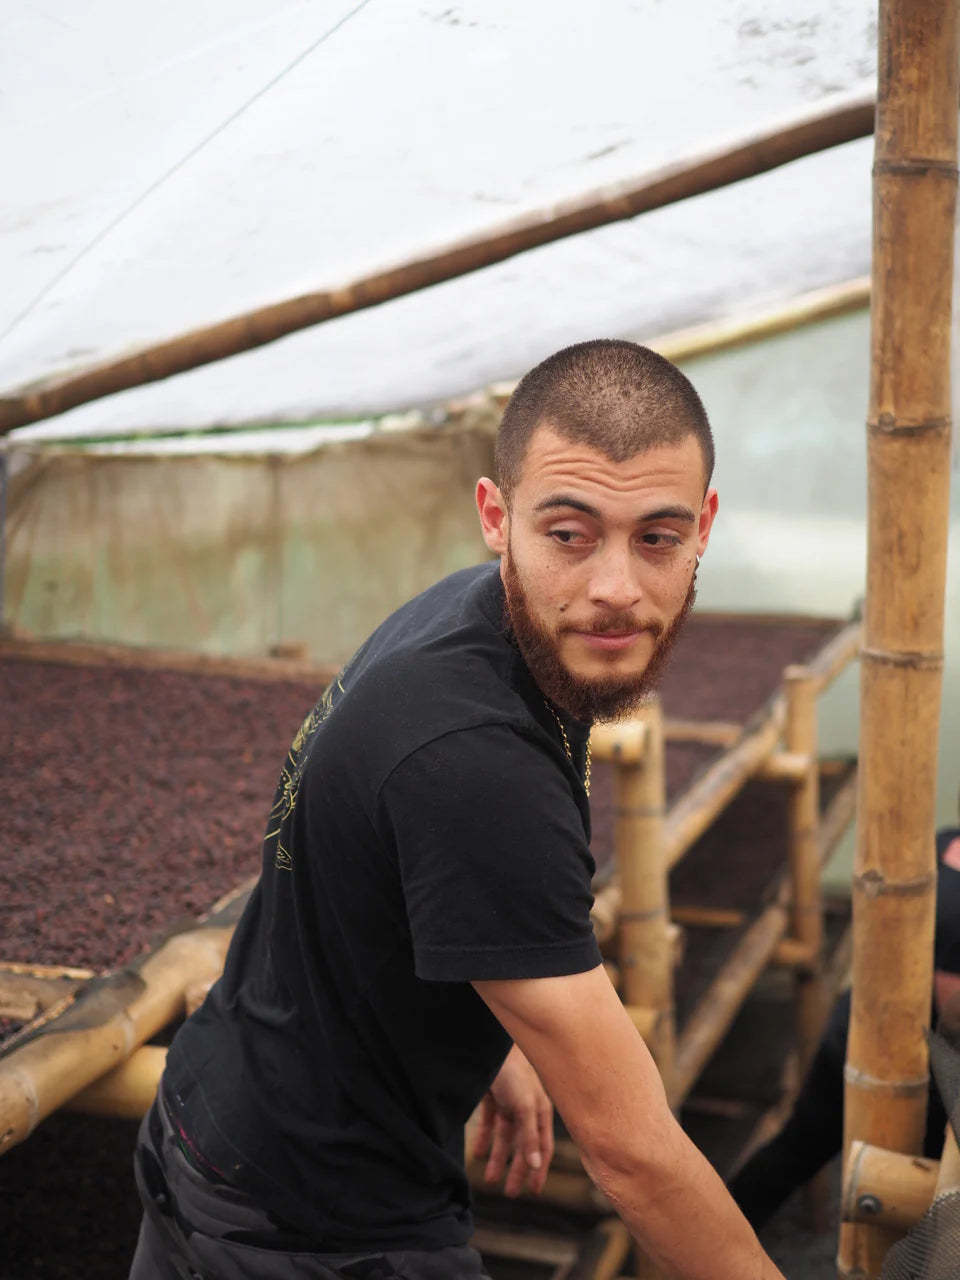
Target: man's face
598 561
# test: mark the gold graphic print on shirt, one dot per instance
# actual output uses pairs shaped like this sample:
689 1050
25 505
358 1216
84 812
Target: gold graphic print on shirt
289 786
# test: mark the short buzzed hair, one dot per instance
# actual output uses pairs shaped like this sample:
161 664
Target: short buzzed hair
615 396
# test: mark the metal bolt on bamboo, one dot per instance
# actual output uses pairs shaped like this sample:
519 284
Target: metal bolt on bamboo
887 1188
908 451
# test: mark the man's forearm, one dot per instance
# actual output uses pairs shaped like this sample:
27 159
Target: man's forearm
682 1215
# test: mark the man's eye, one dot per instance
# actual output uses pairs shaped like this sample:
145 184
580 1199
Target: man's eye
565 536
664 540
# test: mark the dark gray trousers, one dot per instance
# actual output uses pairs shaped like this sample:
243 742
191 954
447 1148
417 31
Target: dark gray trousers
197 1229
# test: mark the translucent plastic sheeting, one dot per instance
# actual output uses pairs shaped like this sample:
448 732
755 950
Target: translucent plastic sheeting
236 554
179 164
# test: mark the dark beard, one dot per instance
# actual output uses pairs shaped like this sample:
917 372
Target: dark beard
585 699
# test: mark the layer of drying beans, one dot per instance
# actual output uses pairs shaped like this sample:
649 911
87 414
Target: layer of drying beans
132 798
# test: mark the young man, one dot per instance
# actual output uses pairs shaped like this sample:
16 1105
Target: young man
419 941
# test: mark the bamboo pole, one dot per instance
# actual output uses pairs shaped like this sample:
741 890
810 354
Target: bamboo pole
901 671
44 1067
815 131
646 953
887 1188
126 1092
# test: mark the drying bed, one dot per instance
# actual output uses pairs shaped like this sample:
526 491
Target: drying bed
133 798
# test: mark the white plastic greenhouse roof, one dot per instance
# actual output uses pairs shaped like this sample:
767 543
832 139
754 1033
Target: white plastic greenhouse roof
168 166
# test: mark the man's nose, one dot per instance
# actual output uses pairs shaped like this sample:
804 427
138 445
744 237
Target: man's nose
615 580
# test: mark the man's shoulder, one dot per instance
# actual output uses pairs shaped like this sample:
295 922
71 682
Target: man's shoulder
440 664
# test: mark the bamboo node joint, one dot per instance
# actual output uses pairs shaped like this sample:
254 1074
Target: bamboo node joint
874 884
887 425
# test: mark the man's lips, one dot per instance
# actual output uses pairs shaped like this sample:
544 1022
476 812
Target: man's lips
609 640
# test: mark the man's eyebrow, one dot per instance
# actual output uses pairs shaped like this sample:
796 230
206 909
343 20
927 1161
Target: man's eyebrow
662 513
564 500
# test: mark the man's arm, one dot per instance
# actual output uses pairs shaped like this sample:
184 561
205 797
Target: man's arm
602 1079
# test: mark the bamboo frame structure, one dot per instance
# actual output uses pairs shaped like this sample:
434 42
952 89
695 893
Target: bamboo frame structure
51 1061
908 445
818 130
643 936
788 932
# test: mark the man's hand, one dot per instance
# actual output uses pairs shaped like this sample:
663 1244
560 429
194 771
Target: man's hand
515 1119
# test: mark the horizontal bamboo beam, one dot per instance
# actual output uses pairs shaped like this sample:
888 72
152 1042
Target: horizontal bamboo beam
693 813
720 733
817 130
720 1003
697 917
836 655
91 654
126 1092
42 1067
784 766
790 953
887 1188
45 971
725 335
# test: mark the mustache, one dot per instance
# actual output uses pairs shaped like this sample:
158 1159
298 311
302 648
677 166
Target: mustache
618 623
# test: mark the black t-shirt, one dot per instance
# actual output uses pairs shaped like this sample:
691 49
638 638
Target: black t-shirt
428 830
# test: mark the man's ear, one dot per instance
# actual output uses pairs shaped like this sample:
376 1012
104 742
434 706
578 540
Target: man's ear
707 513
494 518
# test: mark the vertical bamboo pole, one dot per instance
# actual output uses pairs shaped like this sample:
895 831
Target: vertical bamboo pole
646 953
806 919
901 672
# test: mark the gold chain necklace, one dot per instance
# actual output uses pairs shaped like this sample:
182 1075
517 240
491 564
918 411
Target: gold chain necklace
566 746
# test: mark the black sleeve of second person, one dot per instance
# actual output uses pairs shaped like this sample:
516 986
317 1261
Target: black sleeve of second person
493 859
946 946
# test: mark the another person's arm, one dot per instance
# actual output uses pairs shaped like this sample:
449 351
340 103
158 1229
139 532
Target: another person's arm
602 1079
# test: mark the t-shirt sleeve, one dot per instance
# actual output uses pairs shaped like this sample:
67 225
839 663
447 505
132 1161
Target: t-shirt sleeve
493 859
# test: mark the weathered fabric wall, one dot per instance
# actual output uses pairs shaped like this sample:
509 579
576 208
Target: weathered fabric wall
236 554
